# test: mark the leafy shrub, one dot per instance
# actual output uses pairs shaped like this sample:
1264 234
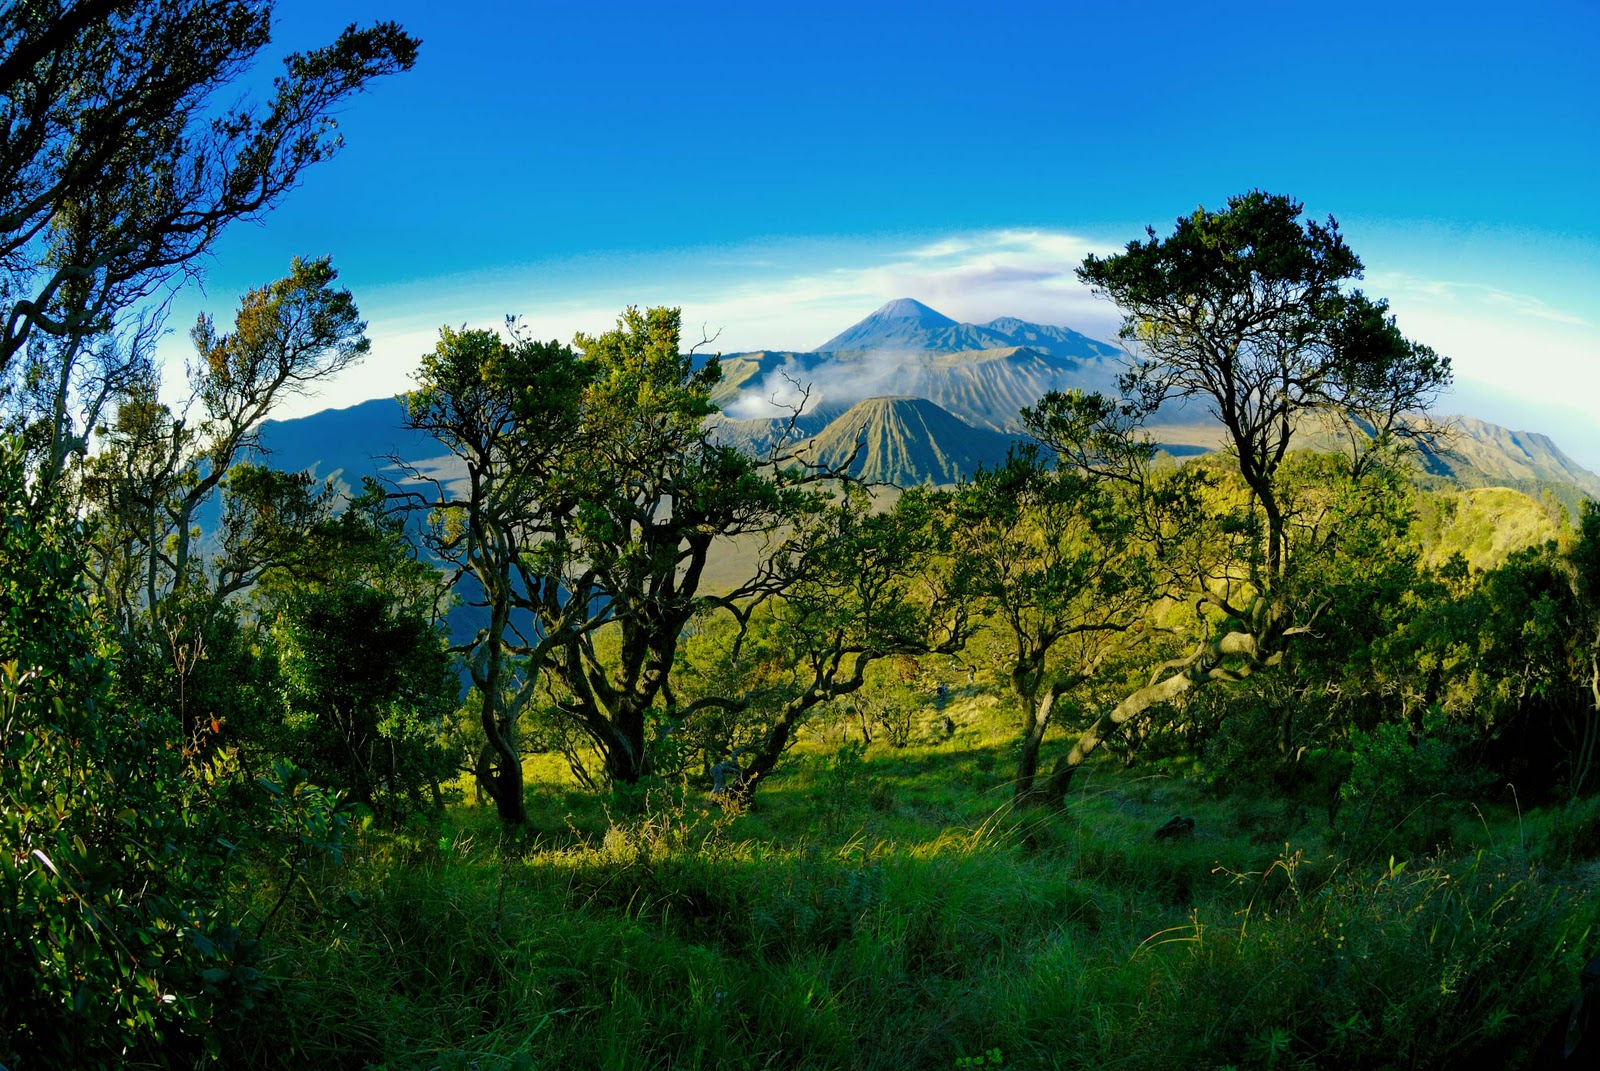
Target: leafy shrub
843 785
114 940
1399 793
1573 833
368 691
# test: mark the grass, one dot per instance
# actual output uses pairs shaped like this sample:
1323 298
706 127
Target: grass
891 911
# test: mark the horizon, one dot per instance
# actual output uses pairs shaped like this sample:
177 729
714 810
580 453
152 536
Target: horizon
751 168
1442 409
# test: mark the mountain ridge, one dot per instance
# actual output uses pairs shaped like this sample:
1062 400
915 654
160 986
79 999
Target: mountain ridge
981 390
905 441
908 325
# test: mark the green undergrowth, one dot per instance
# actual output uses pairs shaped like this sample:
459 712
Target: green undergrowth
887 909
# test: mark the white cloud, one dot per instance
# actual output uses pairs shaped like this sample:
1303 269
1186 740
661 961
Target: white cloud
1518 360
1463 294
789 297
973 278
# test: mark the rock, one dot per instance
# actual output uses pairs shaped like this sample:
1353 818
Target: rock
1177 828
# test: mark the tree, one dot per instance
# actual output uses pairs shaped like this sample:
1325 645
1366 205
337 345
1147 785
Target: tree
157 472
113 861
509 413
595 501
367 687
145 490
119 167
659 496
855 586
1514 654
1052 541
1247 309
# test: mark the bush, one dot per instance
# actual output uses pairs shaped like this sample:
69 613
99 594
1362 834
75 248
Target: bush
1573 833
1400 792
368 691
114 943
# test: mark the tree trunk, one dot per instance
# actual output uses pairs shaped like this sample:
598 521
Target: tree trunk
501 778
1036 719
626 760
504 783
1055 789
1200 668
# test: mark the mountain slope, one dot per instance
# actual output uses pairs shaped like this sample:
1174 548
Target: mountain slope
1485 525
987 388
1477 453
901 324
990 387
974 379
906 441
346 444
904 325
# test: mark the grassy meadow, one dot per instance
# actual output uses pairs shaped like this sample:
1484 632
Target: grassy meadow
880 907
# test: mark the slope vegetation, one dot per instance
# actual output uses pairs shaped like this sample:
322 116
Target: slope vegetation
906 441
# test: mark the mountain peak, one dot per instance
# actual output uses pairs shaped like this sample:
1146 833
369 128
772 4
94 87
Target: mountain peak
906 325
906 440
911 309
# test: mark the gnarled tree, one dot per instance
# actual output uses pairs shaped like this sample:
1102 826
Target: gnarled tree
508 412
1068 545
1249 310
596 506
159 469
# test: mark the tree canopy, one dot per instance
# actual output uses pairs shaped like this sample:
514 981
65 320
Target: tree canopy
595 498
120 165
1247 310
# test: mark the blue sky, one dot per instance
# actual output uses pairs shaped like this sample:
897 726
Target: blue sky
781 169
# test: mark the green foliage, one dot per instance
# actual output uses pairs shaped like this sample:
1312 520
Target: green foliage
987 1058
596 499
121 162
684 936
1053 550
296 825
1509 656
159 468
367 687
814 904
842 786
1484 525
114 937
1571 833
206 664
1239 299
1400 791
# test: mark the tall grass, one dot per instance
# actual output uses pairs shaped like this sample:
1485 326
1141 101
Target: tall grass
909 924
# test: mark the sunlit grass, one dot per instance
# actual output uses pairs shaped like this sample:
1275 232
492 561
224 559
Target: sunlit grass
895 911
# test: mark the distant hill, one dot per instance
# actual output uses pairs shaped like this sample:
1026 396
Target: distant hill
1480 454
975 378
930 399
911 326
983 373
346 444
906 441
1484 525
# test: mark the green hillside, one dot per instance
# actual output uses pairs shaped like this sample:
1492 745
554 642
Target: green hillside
1485 525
